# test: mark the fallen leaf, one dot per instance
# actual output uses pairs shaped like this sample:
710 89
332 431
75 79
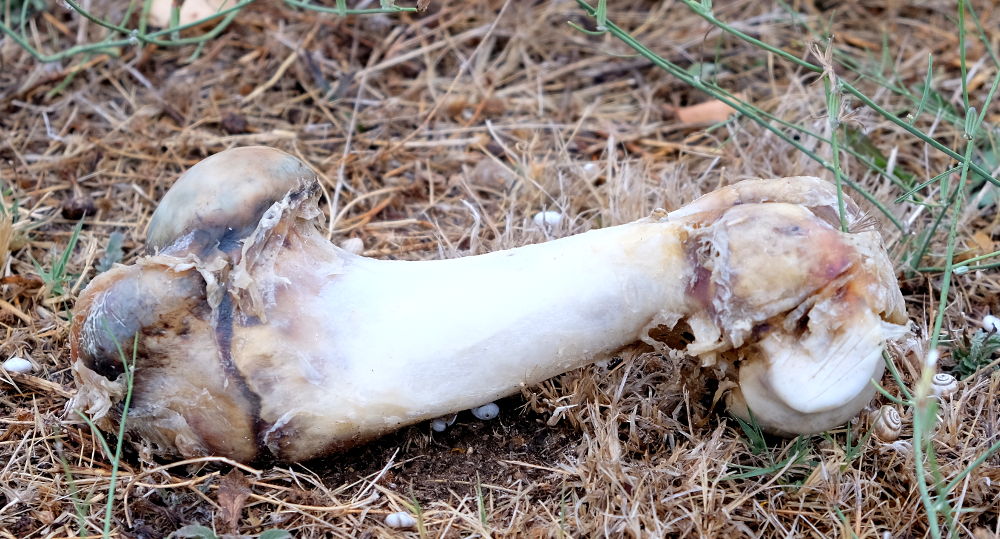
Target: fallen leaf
860 42
982 243
708 112
233 493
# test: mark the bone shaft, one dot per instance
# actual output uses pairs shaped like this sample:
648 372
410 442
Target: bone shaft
438 336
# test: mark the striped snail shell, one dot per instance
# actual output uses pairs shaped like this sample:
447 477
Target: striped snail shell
943 385
888 424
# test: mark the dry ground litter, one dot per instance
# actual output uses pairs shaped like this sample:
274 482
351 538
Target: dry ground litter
442 134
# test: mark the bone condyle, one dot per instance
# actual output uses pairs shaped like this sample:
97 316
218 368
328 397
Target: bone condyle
259 338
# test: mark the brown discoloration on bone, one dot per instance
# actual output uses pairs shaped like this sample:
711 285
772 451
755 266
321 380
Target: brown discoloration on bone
701 287
774 254
222 198
798 252
198 380
758 260
181 389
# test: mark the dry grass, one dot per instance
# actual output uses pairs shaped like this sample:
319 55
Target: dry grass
441 134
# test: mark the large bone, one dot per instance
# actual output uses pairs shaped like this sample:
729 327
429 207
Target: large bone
258 338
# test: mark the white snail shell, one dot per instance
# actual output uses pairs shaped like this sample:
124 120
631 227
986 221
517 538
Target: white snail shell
991 323
943 385
441 424
353 245
400 519
547 219
486 412
888 424
17 364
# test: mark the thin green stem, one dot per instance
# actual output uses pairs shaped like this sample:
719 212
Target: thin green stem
707 14
232 10
116 461
923 414
97 20
74 494
972 125
601 15
833 117
739 106
968 469
342 9
992 265
24 15
864 159
147 5
916 132
108 45
928 235
891 366
966 263
96 431
950 249
902 197
140 35
885 393
988 45
847 87
73 73
227 16
963 68
928 80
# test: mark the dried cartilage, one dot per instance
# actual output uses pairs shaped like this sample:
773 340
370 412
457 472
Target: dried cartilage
260 338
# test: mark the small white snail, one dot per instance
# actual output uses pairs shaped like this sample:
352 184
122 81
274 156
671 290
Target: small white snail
888 424
991 323
355 246
943 385
17 364
486 412
441 424
400 519
546 219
